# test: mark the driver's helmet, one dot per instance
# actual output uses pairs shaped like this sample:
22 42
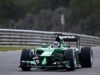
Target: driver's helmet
55 44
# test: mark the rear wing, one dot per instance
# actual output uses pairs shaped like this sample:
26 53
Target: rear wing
68 38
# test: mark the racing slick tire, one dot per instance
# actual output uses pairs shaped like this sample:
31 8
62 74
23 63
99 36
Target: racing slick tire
69 55
26 55
86 57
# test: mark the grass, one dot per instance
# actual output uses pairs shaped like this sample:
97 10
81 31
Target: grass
4 49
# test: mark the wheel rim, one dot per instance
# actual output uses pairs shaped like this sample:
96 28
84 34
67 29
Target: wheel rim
91 59
75 61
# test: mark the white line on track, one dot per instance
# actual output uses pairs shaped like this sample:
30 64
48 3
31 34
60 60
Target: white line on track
11 51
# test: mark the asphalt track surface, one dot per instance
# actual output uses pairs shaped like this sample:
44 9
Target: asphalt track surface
9 62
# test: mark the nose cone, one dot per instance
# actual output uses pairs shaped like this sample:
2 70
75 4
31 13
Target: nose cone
46 54
44 61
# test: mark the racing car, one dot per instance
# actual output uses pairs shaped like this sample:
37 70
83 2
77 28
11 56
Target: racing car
61 53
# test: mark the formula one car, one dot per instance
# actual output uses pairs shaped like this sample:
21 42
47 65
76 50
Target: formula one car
58 54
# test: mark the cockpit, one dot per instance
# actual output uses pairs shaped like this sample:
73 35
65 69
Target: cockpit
55 44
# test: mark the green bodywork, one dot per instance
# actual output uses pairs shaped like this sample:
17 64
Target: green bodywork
51 56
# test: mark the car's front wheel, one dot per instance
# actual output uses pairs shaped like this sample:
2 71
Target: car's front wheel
26 55
69 55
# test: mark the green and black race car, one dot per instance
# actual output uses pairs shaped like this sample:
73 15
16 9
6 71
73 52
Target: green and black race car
58 54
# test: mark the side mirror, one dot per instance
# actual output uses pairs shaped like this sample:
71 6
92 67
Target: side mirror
65 45
44 45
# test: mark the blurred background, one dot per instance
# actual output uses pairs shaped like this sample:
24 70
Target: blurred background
80 16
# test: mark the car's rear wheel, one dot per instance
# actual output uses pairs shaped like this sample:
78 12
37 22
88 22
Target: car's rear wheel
86 57
26 55
70 56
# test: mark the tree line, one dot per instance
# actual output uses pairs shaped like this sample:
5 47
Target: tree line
81 16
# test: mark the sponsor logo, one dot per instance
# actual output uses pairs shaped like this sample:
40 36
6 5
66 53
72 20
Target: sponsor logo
70 37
